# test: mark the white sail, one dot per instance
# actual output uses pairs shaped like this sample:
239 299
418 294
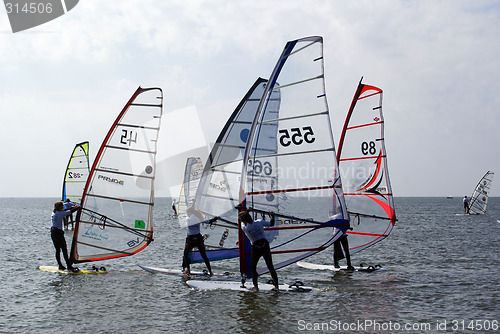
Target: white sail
363 164
192 175
293 142
76 173
479 199
117 205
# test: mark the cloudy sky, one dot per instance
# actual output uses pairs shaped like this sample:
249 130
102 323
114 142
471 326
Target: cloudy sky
437 61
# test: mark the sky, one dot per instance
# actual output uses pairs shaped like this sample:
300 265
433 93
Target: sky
65 81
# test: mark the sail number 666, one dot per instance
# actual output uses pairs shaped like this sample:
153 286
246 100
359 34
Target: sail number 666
296 136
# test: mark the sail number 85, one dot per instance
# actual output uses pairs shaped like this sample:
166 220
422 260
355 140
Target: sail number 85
296 136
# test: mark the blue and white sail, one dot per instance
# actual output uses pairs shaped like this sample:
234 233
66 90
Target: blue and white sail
218 191
291 144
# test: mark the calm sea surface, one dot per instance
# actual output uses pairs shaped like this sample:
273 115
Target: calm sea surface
443 276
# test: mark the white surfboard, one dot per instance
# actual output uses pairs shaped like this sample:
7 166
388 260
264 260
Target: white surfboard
233 285
179 272
314 266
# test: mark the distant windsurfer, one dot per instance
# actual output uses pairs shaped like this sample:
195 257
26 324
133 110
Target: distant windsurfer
195 239
254 230
68 205
173 207
57 233
466 205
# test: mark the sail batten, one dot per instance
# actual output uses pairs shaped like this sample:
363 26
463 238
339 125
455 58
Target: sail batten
294 117
117 205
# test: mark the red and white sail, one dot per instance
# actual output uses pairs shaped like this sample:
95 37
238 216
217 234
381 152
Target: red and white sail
363 166
117 204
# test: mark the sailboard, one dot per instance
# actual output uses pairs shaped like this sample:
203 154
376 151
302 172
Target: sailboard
169 271
289 133
479 198
76 173
90 271
361 267
237 286
116 218
363 166
192 175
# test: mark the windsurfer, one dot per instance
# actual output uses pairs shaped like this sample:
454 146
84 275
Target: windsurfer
173 207
195 239
254 230
338 255
57 233
466 205
68 205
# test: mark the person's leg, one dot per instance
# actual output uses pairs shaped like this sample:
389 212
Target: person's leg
64 249
203 253
269 263
57 245
185 259
337 253
254 259
345 245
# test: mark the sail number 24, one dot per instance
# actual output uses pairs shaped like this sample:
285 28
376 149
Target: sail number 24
296 136
128 137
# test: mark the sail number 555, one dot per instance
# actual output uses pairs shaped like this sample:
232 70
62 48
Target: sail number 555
296 136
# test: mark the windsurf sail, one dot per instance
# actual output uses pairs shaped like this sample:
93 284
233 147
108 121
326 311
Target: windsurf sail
363 165
479 198
218 189
192 175
76 173
116 218
289 158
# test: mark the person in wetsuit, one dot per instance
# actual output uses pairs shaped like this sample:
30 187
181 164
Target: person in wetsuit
57 233
254 230
466 205
338 255
195 239
67 219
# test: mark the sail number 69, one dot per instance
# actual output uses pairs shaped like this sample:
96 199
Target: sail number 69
297 137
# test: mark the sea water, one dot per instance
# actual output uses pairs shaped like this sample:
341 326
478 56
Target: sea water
443 275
